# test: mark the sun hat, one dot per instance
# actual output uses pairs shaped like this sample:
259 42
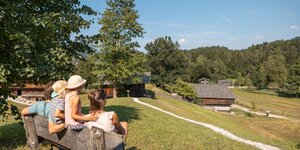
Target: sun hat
75 81
58 87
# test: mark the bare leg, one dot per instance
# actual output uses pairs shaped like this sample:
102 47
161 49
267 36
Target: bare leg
53 128
125 129
25 111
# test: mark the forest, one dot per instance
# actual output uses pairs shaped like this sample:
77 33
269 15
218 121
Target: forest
273 65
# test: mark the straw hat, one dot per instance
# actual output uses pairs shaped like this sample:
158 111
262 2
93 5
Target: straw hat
75 81
58 87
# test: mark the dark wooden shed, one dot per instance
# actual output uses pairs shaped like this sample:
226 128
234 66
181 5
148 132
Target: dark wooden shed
214 94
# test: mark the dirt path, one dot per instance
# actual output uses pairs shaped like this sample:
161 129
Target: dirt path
226 133
257 113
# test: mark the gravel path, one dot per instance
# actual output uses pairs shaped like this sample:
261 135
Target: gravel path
214 128
258 113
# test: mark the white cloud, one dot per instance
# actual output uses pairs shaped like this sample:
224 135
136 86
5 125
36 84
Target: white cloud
258 37
295 27
182 41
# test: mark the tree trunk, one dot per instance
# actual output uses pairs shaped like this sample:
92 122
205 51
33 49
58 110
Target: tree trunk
115 92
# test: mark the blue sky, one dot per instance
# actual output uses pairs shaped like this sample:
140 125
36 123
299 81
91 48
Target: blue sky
236 24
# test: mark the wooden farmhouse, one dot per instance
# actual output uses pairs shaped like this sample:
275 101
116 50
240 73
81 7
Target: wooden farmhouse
134 89
29 91
214 94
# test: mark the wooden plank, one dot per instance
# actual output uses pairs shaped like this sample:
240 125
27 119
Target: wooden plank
32 139
114 141
66 138
95 139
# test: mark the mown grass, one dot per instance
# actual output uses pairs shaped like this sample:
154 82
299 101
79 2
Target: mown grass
151 129
282 133
148 129
289 107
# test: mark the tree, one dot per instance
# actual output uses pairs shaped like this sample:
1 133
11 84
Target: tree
35 43
200 69
294 74
239 80
118 60
276 72
182 88
84 69
166 61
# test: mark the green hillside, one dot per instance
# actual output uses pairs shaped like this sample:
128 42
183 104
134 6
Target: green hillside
289 107
281 133
151 129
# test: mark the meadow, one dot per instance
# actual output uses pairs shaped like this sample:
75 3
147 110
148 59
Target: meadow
150 129
289 107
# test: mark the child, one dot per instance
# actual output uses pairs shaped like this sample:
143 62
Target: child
108 121
53 109
74 117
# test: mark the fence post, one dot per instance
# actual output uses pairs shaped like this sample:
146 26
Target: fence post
32 139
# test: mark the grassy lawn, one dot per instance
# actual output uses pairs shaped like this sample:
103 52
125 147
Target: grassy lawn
148 129
282 133
289 107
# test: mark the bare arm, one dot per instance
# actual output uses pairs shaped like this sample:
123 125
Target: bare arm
59 114
116 122
74 103
53 128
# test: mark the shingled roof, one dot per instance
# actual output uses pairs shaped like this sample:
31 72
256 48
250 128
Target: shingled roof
213 91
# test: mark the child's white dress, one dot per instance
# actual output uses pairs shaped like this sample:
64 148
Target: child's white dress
104 122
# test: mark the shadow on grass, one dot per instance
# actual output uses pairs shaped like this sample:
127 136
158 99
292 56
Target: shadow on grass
132 148
12 135
150 94
125 113
298 146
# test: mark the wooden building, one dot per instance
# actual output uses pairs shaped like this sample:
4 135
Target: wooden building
214 94
203 81
29 91
226 82
129 89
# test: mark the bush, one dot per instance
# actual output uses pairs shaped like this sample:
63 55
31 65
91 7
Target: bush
182 88
288 93
197 101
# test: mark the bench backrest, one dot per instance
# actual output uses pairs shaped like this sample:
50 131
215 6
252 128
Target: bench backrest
95 139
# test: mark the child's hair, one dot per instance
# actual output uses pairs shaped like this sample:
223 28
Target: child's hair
48 90
97 100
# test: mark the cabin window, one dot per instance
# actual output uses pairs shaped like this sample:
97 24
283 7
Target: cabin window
19 93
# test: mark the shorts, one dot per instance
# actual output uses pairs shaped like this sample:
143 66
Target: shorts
77 127
41 108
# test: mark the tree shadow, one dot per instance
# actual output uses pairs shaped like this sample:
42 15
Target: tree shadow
12 135
150 94
298 146
132 148
125 113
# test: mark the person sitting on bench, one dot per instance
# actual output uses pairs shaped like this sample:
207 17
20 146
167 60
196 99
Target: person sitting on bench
52 109
108 121
74 117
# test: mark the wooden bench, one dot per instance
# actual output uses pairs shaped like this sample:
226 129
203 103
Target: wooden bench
95 139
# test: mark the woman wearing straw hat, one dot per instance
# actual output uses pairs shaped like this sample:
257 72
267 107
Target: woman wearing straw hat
73 116
53 109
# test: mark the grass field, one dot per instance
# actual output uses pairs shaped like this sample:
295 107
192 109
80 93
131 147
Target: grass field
289 107
282 133
150 129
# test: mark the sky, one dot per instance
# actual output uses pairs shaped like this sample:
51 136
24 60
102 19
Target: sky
236 24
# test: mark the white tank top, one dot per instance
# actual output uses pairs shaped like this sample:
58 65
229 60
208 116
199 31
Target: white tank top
104 122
